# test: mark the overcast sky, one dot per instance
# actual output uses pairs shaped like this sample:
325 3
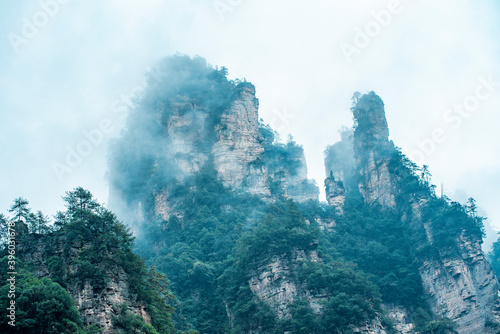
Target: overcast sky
67 69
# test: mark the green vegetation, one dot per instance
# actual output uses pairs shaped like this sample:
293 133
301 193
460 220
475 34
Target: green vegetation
139 160
379 244
282 231
451 220
281 234
128 323
494 257
446 220
192 250
227 253
389 245
87 245
284 159
424 323
278 155
42 305
213 242
217 237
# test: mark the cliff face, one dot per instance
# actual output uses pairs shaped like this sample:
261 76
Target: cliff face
275 283
211 185
458 285
177 137
238 148
372 151
463 287
185 128
96 301
193 153
360 160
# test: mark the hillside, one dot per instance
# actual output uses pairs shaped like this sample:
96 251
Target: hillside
226 211
220 230
79 274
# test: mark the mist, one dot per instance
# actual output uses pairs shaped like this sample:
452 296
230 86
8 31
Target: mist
71 70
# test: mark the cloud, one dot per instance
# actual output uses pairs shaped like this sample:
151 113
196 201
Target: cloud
68 78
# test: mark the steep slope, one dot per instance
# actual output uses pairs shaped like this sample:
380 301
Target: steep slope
458 282
212 195
89 254
227 212
96 298
195 116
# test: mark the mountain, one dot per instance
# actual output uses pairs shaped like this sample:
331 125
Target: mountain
79 275
457 280
193 118
226 211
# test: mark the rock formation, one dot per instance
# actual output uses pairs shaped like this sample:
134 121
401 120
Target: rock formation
460 286
276 285
238 148
206 126
184 134
97 302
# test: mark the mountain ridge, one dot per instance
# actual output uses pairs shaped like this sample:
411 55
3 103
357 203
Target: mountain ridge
364 167
226 211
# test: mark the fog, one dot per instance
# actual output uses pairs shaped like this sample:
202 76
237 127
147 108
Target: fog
70 68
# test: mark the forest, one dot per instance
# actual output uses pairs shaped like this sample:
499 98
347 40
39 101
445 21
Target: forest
208 257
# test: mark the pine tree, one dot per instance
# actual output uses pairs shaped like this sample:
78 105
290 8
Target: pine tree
471 207
42 223
20 209
4 227
60 219
31 222
426 174
79 201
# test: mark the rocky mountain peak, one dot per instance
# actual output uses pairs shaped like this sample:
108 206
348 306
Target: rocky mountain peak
360 160
202 120
458 283
370 122
246 88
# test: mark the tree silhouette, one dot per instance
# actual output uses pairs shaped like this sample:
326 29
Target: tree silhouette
20 209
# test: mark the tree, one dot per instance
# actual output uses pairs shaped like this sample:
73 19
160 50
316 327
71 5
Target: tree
129 322
426 174
61 219
20 209
471 207
78 201
31 222
303 320
36 222
42 306
4 227
41 223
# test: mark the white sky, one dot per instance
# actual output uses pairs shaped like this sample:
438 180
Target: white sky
65 77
